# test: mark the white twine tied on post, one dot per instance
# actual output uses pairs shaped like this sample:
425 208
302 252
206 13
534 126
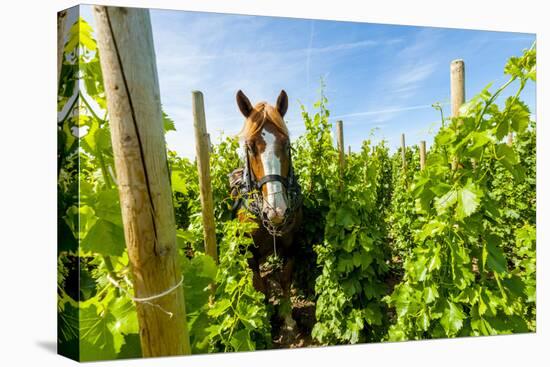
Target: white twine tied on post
147 300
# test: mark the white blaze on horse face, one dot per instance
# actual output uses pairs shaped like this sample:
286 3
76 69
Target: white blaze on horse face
272 166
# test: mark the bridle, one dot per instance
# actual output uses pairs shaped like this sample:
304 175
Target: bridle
249 194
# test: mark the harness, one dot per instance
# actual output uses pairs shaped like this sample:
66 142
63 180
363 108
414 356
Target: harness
248 193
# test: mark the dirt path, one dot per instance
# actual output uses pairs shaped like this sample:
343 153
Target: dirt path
303 312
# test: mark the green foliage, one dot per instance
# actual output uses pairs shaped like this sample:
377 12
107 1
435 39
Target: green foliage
458 279
401 217
351 251
239 317
314 159
199 272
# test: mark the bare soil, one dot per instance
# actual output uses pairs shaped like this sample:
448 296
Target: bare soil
303 312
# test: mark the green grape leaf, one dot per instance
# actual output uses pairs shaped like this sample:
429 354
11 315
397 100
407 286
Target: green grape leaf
482 326
219 307
423 321
241 341
468 200
108 206
124 311
430 294
509 159
495 256
452 319
519 114
446 201
68 321
179 182
80 219
348 244
131 347
345 217
80 34
198 273
373 314
168 123
104 238
515 285
99 339
480 139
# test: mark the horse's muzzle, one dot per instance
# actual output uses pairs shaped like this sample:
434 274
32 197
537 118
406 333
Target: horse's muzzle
275 215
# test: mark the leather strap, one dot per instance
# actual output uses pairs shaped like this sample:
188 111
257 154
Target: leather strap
271 178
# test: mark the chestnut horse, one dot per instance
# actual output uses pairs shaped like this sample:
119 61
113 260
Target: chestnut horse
267 188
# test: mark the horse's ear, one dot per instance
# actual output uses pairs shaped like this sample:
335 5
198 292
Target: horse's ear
244 103
282 103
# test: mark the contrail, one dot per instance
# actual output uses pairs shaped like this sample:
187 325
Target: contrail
398 109
309 52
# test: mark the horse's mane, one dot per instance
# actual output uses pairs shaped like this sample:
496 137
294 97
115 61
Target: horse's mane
260 115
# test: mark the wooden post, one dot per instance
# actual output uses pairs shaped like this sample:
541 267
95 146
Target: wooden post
403 151
209 143
61 20
422 155
202 148
349 150
458 94
510 140
366 169
340 141
129 68
458 91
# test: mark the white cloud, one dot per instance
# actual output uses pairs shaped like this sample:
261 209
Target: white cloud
194 53
411 76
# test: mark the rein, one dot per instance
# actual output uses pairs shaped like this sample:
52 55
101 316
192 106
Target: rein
249 194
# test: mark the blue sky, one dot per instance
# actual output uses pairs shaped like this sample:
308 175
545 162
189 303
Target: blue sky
382 77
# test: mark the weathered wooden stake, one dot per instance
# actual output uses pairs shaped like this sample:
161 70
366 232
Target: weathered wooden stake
133 99
202 148
366 169
458 93
422 155
209 143
349 150
340 141
403 151
510 140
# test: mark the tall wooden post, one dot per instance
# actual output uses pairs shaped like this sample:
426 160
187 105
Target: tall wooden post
202 148
422 155
349 150
458 94
129 68
458 91
340 142
403 151
209 142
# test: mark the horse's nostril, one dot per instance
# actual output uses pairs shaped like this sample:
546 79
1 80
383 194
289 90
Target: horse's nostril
275 215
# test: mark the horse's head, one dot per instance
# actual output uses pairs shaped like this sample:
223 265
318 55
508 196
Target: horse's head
267 145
